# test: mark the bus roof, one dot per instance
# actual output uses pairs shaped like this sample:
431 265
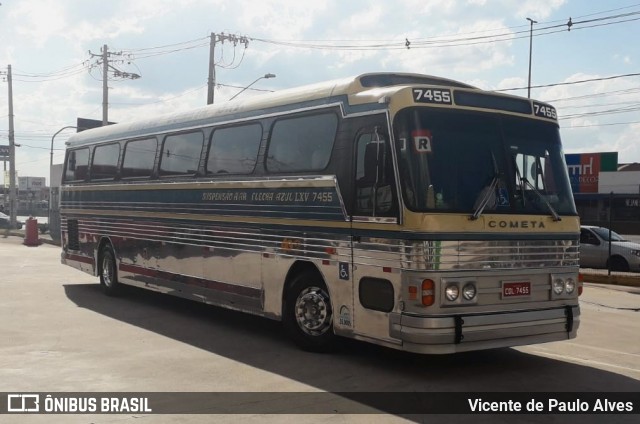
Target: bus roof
313 94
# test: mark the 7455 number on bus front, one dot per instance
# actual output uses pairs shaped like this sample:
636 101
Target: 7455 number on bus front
432 95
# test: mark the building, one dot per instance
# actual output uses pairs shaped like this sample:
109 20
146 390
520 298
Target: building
606 193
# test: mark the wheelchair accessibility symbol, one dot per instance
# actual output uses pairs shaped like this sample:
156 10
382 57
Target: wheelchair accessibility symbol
343 269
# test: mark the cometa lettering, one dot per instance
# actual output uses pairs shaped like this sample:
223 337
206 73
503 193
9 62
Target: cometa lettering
534 225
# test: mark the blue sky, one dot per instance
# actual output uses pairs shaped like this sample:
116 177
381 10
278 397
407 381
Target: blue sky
47 42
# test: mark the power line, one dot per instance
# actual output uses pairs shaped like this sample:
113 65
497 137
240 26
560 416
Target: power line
572 82
600 125
602 112
173 46
631 103
624 92
452 42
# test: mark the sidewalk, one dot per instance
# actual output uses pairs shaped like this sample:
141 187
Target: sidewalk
43 238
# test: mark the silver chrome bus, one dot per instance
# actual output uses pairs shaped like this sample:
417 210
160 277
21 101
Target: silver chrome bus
405 210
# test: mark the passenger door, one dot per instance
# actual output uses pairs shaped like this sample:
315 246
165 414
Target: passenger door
376 268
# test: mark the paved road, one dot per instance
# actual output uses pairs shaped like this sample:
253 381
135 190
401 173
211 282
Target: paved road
60 333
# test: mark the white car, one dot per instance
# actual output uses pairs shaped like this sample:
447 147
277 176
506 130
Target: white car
4 221
594 250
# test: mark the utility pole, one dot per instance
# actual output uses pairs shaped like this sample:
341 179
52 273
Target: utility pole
211 82
530 55
12 153
215 38
105 86
105 61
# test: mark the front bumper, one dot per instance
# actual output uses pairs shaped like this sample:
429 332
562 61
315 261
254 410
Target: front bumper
460 333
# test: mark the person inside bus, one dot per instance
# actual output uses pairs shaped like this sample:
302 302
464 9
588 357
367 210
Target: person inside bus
375 189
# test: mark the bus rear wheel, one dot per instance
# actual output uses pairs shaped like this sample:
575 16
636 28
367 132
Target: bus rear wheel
308 315
109 272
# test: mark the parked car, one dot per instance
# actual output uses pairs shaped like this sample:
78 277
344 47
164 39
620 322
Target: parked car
594 250
4 221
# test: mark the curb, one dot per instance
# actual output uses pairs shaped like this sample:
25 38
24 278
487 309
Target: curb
41 240
613 279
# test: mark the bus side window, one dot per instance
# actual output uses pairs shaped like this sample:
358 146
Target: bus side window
181 153
105 161
375 185
234 150
77 165
139 158
302 143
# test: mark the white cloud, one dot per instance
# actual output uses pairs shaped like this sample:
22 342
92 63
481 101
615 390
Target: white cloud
38 20
536 9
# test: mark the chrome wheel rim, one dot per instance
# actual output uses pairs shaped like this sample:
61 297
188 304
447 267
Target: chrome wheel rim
107 271
313 311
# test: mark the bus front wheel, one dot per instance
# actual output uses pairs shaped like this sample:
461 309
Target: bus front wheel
308 315
109 272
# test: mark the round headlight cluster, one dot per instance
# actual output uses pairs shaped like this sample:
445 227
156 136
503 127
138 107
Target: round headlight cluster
558 286
566 285
570 285
469 291
452 292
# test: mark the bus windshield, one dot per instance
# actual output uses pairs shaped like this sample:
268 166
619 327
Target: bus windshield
460 161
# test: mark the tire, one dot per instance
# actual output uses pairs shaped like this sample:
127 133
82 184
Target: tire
308 315
109 272
619 264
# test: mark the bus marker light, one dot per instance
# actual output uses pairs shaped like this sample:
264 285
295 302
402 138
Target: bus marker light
386 269
428 292
330 250
580 281
413 293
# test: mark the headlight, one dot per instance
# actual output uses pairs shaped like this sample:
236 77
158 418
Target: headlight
451 292
469 291
570 285
635 252
558 286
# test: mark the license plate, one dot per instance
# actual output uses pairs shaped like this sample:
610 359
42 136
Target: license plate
516 288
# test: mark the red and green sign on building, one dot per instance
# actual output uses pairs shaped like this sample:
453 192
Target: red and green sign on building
584 169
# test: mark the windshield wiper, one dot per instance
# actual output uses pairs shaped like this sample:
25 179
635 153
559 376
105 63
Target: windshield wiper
555 215
488 191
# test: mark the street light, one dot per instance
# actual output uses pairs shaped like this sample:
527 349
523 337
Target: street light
51 169
265 76
530 50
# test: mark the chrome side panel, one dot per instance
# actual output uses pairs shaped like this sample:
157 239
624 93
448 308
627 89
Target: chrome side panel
244 266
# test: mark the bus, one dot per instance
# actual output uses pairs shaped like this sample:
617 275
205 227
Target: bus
405 210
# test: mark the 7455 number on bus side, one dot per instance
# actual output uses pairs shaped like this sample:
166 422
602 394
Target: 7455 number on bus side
544 111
